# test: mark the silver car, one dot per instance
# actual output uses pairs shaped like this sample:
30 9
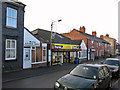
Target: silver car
114 65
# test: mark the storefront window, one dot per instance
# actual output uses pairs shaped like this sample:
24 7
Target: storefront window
57 56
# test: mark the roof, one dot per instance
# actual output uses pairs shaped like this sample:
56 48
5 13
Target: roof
93 37
57 38
14 1
78 41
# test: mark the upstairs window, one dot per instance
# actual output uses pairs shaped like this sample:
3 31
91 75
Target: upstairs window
10 49
92 44
11 19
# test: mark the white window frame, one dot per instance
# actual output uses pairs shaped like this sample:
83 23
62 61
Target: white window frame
99 43
11 17
10 49
45 53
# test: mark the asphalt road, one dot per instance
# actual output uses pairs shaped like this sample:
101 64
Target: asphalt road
45 80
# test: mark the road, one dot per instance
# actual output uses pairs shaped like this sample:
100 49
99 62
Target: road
45 80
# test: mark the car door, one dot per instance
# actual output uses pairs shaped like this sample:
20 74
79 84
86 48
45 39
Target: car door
101 80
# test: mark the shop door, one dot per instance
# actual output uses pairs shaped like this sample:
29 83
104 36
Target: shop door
27 58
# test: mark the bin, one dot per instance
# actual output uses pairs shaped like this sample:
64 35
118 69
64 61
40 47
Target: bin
76 60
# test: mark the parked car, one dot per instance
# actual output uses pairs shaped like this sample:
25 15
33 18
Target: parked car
114 65
85 76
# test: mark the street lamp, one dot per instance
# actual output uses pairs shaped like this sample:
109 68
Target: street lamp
52 38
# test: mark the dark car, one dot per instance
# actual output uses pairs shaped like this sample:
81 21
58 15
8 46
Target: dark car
85 76
114 65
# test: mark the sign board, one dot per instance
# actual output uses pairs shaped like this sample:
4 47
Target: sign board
31 43
64 46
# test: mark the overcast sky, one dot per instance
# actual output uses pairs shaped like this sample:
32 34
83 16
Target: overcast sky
96 15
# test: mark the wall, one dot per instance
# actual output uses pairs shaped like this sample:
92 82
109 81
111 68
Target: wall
112 44
29 37
75 35
11 33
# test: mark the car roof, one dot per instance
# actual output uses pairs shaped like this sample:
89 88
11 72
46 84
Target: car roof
94 65
113 59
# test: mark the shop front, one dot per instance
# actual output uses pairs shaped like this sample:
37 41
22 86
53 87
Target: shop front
64 53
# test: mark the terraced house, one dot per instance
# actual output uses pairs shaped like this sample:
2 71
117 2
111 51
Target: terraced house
95 45
112 42
12 34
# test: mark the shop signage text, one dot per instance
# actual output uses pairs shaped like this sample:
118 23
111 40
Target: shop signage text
31 43
64 46
58 47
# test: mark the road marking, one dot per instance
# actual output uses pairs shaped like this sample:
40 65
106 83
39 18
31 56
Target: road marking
116 82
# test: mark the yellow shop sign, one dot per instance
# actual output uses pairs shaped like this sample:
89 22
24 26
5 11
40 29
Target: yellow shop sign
64 46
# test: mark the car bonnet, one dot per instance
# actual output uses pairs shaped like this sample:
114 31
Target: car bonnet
71 81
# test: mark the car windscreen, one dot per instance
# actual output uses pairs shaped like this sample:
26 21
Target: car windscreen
85 71
111 62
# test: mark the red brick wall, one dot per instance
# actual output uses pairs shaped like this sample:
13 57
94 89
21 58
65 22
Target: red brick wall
74 35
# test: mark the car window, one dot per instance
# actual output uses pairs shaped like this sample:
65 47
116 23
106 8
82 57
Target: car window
101 74
111 62
85 71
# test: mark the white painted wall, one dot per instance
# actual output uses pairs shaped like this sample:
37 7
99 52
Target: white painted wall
83 46
29 37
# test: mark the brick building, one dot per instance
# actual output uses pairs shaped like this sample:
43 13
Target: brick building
112 42
95 45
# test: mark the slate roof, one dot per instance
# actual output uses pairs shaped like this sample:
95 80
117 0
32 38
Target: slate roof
78 41
58 38
91 37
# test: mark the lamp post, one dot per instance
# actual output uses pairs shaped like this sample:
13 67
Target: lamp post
52 38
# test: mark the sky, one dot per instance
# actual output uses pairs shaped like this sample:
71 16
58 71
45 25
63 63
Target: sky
96 15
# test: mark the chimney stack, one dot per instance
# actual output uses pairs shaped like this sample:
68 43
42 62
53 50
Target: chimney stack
101 36
82 29
107 35
94 33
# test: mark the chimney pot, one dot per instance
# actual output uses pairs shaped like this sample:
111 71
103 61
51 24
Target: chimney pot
94 33
101 36
82 29
107 35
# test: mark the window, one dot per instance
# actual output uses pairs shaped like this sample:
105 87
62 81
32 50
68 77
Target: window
10 49
11 20
92 44
44 53
97 45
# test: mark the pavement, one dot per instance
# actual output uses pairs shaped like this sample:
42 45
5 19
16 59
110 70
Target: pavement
27 73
